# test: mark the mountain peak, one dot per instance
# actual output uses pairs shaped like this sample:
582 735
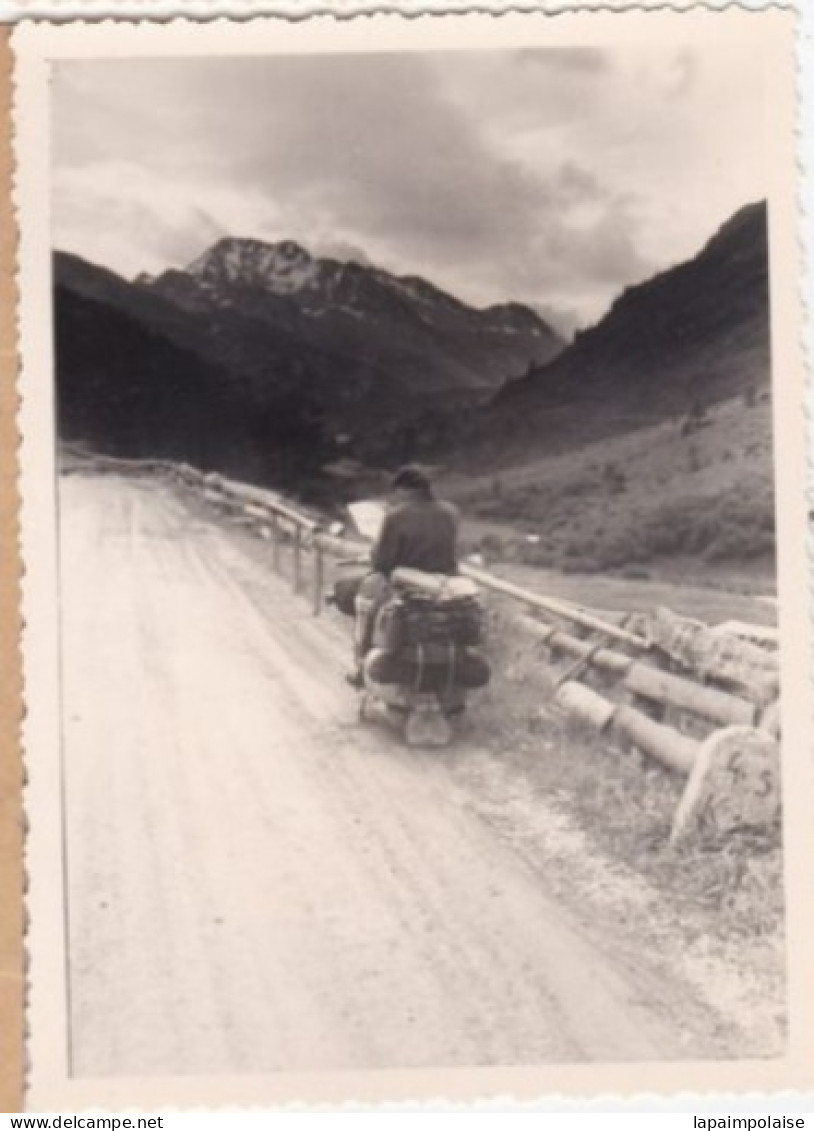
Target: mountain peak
516 317
283 268
743 233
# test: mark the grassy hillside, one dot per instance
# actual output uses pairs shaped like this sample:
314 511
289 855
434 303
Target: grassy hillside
693 492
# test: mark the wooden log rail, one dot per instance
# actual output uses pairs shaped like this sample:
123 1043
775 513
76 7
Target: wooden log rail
676 691
553 607
732 775
648 682
278 520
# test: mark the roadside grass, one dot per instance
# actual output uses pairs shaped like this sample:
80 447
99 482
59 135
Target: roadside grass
621 800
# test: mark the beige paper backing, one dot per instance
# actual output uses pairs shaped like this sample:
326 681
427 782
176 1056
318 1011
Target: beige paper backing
11 890
795 1070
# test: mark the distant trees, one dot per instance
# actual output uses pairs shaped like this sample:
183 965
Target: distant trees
132 392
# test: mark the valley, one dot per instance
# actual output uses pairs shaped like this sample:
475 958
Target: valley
642 449
298 360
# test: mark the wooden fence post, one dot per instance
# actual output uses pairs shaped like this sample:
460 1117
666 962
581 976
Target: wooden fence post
297 557
275 543
319 574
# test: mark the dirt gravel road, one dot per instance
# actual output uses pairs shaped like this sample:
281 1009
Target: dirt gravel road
256 882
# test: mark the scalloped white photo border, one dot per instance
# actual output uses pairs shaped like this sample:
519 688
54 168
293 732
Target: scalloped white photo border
35 45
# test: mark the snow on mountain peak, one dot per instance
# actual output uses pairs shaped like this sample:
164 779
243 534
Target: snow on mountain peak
283 268
325 287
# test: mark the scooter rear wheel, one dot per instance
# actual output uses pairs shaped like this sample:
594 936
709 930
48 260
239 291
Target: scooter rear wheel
427 728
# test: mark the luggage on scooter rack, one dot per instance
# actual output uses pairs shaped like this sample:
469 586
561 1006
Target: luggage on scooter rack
437 609
416 637
429 611
429 668
427 623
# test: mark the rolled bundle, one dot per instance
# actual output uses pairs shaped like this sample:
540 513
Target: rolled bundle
438 609
381 666
435 586
430 668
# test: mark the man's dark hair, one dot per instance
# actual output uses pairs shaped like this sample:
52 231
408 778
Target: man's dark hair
411 478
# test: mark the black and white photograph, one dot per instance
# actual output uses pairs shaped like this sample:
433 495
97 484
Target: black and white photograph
414 472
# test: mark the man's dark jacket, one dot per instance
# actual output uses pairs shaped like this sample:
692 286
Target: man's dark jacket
419 534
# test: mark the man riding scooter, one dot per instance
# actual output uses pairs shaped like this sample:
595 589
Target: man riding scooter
418 532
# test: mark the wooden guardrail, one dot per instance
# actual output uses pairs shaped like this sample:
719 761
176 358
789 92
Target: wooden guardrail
721 734
703 702
554 607
282 524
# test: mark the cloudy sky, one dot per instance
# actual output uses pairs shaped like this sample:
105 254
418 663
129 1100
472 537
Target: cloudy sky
554 177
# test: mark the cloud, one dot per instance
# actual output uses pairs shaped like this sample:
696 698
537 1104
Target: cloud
132 219
549 176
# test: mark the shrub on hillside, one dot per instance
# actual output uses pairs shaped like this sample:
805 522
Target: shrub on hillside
739 543
579 564
738 526
625 545
492 547
544 555
635 573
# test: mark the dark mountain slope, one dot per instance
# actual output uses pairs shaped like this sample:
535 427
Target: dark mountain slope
131 391
648 444
413 330
692 337
376 360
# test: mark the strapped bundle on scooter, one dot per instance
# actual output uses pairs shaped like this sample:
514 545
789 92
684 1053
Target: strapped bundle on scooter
426 634
437 609
429 668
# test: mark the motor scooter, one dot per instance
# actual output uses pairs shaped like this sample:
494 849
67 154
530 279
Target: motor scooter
425 657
